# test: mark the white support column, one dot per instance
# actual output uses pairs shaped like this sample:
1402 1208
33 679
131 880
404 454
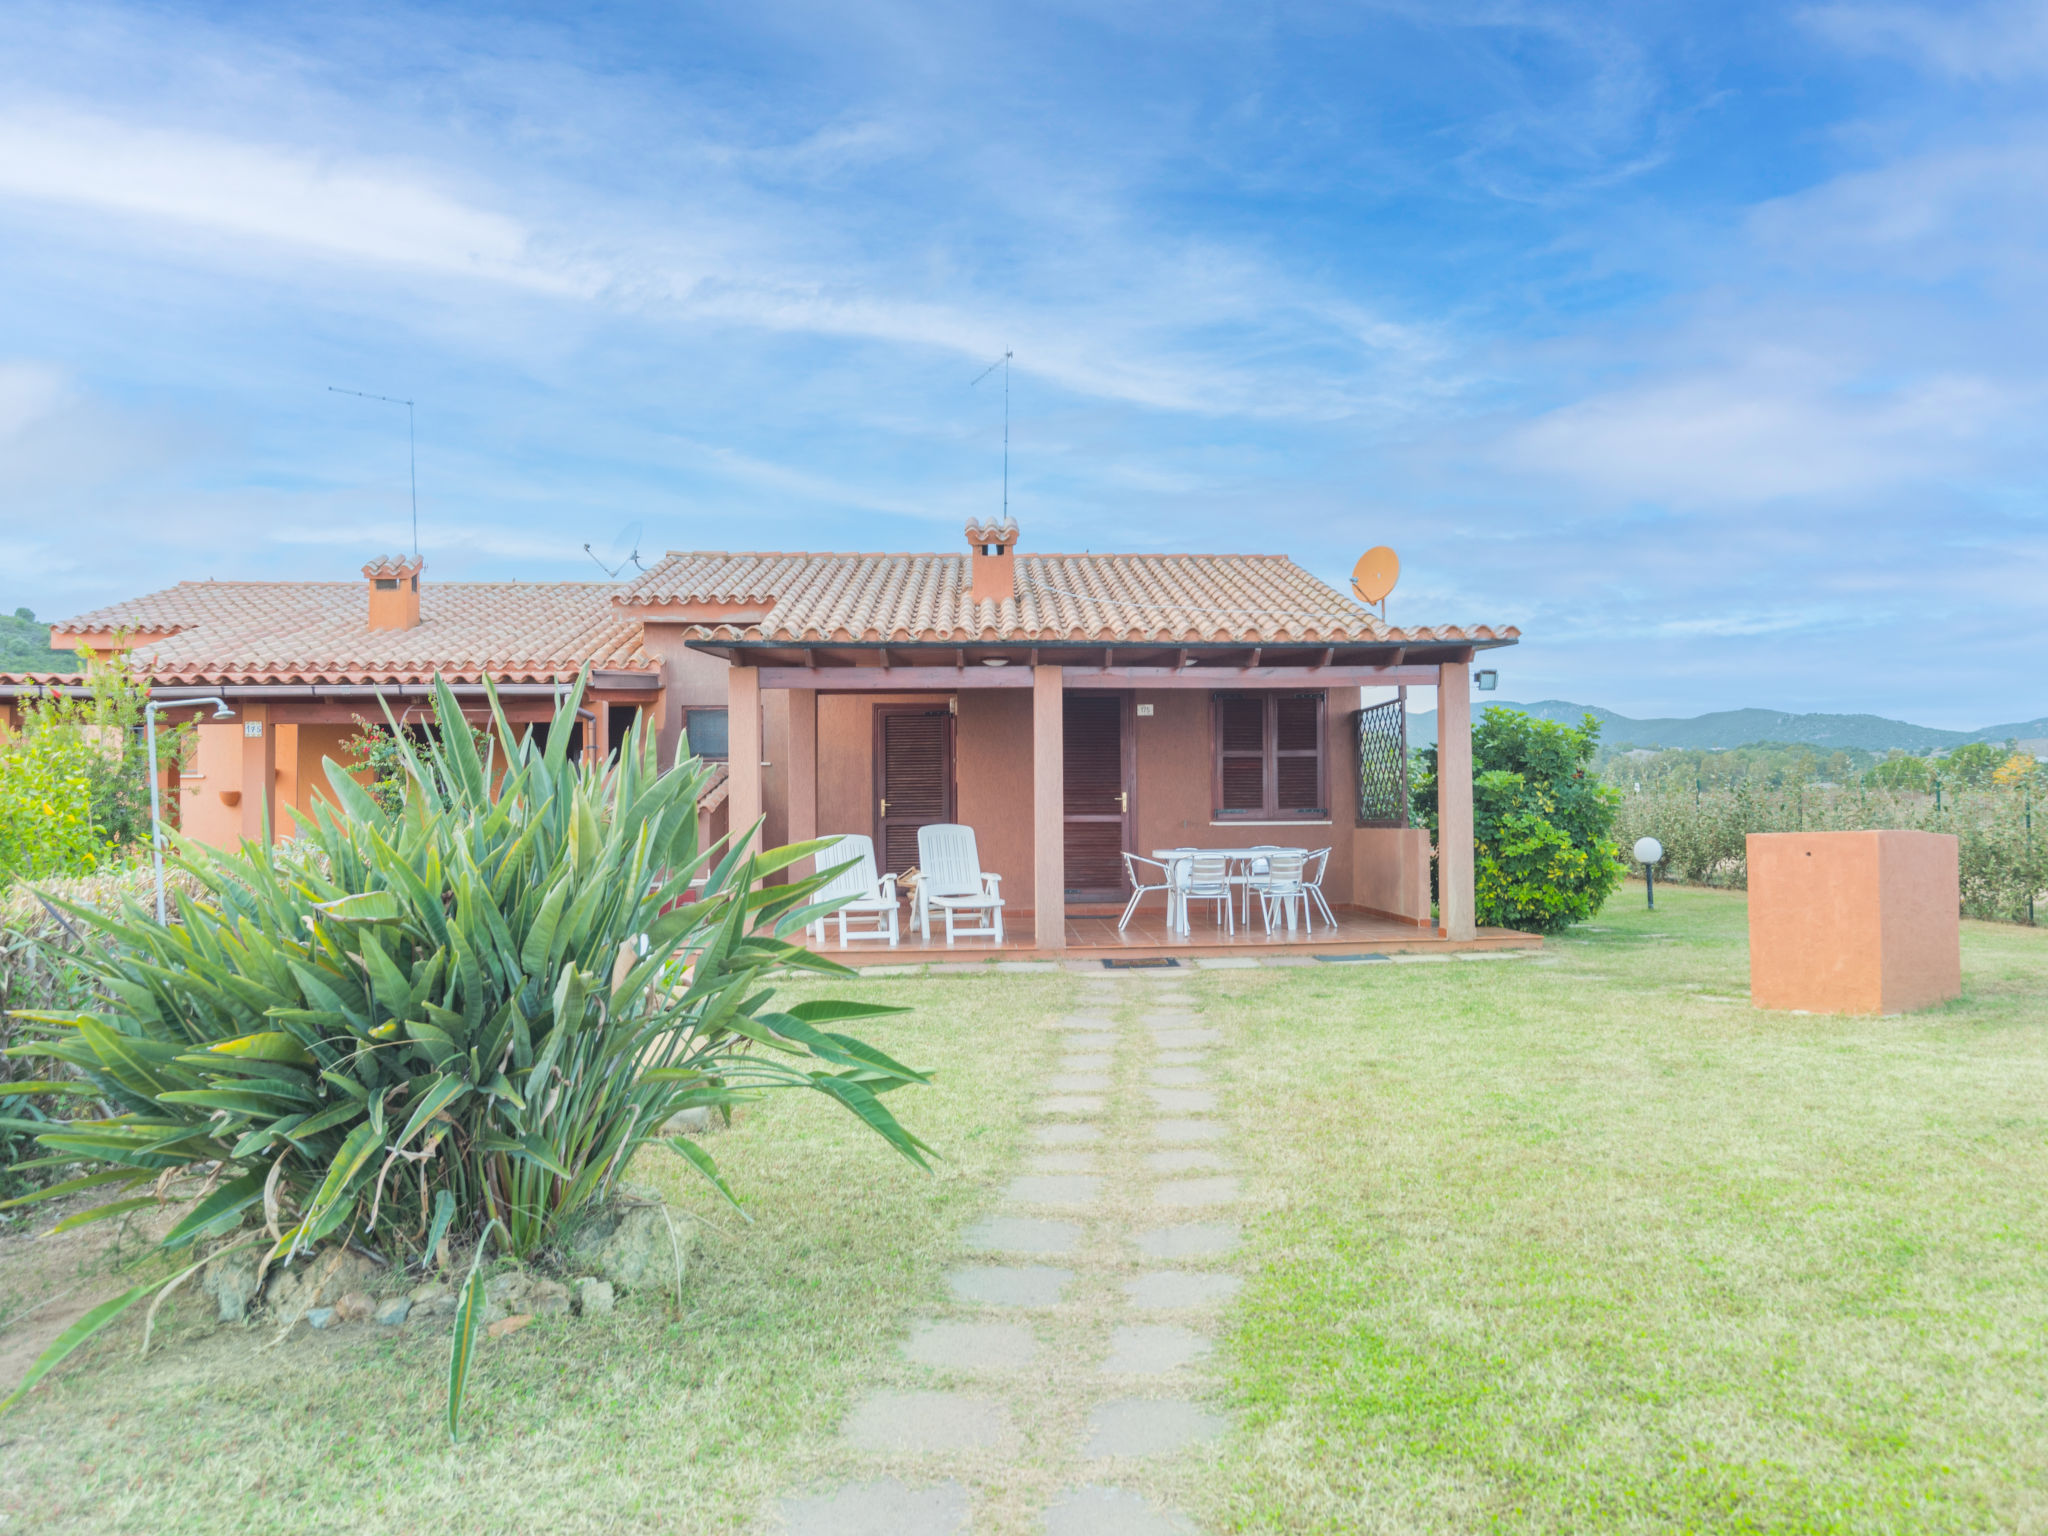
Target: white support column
1049 807
1454 878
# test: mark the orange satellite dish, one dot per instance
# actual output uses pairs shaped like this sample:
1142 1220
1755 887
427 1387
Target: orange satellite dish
1375 574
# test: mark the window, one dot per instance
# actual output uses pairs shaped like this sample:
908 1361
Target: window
706 730
1269 757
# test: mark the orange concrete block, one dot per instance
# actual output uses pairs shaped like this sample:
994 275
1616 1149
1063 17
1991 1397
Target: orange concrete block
1853 922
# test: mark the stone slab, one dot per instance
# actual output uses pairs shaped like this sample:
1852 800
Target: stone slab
1187 1036
1062 1162
1087 1061
1422 959
1070 1104
1194 1240
1086 1022
1181 1058
1079 1082
880 971
1021 1234
1092 1040
954 1346
1171 1290
1143 1426
1097 1511
1066 1135
1026 967
1183 1194
1227 963
882 1508
1185 1160
1153 1349
961 968
1009 1285
1053 1189
1179 1077
1182 1101
1177 1131
927 1421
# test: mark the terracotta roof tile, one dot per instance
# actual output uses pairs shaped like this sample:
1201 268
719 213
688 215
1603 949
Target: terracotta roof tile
1120 599
318 632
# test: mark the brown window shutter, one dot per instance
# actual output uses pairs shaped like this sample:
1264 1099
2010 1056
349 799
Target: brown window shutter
1298 755
1240 773
914 781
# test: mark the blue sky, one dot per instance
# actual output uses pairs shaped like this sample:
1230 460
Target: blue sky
1703 342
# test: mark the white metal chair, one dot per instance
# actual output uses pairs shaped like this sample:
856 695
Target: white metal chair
1312 882
1283 888
950 878
1206 877
1257 867
868 896
1135 874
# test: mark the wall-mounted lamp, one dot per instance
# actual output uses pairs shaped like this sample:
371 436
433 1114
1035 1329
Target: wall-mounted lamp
1486 680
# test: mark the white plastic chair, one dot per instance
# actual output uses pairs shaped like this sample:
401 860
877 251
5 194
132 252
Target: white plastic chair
1206 877
1283 888
869 897
1312 882
950 877
1140 888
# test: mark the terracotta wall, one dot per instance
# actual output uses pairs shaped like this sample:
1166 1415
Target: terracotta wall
993 784
1853 922
1391 871
689 680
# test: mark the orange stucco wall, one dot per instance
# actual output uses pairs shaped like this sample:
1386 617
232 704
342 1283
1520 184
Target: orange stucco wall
1853 922
1391 871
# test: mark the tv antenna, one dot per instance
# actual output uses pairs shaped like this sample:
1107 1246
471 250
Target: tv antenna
630 534
411 452
1003 363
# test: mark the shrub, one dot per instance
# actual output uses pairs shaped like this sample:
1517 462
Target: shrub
465 1016
74 782
1543 828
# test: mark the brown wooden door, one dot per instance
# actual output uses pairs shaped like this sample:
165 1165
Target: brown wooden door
1101 793
913 779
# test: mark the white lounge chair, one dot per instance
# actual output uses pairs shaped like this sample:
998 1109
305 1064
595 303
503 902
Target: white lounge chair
869 897
950 878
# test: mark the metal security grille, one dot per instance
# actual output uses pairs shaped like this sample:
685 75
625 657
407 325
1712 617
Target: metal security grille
1383 765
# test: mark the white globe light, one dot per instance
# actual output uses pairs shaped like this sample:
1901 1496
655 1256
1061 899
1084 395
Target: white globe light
1648 850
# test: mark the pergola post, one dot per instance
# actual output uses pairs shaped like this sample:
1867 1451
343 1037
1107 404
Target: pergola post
743 751
1454 880
259 773
1048 807
802 775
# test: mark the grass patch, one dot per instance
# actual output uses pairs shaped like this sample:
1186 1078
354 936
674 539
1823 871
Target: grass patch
648 1420
1587 1243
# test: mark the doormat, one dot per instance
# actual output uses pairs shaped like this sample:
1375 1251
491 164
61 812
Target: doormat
1351 959
1139 965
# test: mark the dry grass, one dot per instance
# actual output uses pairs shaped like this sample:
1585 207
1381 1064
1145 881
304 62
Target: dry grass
1587 1243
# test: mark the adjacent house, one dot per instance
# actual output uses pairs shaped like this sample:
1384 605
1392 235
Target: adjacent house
1070 708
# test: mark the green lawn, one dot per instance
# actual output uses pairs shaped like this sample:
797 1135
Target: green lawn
1587 1243
1579 1242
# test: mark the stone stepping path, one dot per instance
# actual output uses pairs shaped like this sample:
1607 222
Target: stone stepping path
1070 1362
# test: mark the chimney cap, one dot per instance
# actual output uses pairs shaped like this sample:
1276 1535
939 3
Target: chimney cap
384 567
979 533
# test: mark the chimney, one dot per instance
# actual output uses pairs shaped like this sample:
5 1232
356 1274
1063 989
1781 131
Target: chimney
991 568
394 591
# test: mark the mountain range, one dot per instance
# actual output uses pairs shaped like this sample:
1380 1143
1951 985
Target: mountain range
1739 727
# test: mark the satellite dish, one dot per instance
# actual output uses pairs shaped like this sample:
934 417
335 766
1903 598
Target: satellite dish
1375 574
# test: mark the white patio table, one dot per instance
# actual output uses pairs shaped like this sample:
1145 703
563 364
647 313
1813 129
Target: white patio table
1176 859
